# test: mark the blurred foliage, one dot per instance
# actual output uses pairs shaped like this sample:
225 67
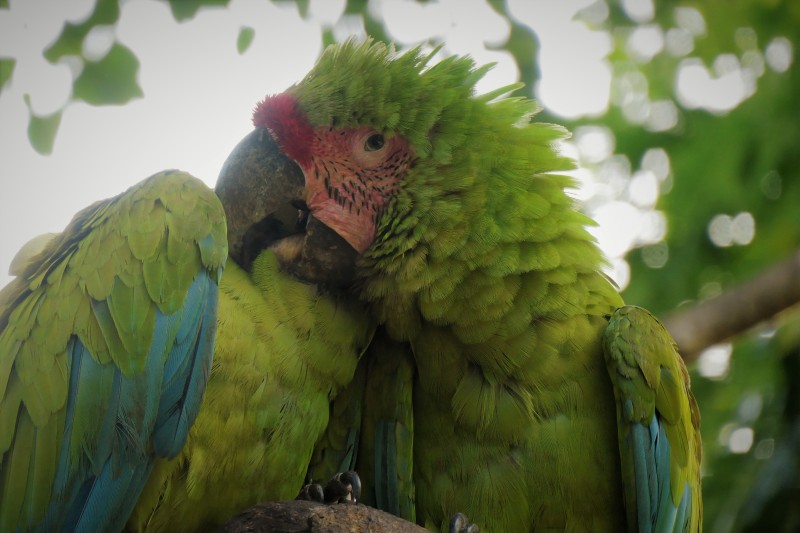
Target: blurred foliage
523 46
245 39
42 129
111 80
70 42
741 161
722 163
186 9
6 69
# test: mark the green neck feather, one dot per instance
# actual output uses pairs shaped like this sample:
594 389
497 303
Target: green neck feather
481 222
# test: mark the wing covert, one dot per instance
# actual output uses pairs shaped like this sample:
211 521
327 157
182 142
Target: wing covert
106 339
658 424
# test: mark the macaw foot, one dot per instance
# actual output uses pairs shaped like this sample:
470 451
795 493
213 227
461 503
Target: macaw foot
460 524
342 487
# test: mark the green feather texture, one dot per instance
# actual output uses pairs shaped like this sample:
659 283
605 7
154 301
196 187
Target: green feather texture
284 351
482 264
651 380
481 197
337 449
371 429
386 455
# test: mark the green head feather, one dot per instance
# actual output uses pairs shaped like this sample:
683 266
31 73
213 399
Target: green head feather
480 201
356 84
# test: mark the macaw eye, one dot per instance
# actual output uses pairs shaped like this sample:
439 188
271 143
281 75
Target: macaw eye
369 148
374 143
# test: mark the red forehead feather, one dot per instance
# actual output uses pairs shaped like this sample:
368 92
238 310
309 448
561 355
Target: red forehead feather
288 125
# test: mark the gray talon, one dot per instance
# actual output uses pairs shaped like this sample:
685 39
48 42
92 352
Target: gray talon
312 492
342 487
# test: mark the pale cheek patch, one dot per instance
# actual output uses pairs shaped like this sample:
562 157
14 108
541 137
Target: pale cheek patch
351 178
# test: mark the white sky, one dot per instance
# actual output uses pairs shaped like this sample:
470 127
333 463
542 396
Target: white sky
199 94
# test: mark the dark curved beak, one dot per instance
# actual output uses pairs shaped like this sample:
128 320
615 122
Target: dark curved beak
263 193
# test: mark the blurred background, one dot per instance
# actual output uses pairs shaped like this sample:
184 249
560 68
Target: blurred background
685 114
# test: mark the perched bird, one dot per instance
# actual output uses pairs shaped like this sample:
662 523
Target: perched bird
506 381
106 342
535 400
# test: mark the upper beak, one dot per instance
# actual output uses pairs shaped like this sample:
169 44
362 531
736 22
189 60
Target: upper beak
263 193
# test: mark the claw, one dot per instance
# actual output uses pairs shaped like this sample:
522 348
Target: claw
312 492
342 487
460 524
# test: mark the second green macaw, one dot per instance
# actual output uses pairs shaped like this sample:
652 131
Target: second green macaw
284 349
106 342
528 395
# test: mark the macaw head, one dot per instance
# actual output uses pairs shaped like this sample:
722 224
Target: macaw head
332 154
400 159
263 193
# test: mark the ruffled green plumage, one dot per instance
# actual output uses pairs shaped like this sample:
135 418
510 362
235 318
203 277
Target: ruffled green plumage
482 263
284 350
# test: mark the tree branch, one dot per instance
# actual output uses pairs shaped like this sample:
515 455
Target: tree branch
736 310
301 516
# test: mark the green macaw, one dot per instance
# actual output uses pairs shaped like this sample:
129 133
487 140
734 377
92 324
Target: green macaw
536 400
106 342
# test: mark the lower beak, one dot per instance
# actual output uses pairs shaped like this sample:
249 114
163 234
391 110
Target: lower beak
263 193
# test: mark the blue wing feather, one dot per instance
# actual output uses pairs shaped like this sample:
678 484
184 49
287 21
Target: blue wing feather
183 391
65 511
107 502
654 402
684 509
650 451
645 480
106 498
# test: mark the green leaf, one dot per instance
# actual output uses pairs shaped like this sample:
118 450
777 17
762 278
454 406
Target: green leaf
70 42
6 68
112 80
302 6
373 26
42 130
186 9
3 4
245 39
327 37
